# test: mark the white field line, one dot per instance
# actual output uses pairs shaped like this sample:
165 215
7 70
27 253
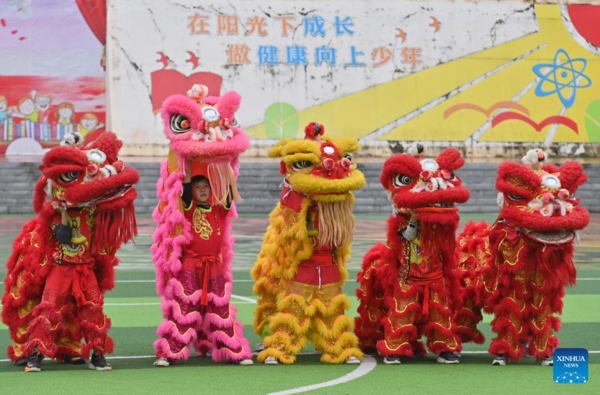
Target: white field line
155 304
133 304
368 364
250 300
302 353
251 281
485 352
152 281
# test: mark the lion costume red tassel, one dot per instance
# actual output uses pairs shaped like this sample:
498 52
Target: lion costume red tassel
518 267
406 286
54 292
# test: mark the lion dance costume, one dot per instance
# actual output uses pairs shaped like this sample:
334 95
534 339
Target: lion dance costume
407 288
54 290
517 268
196 309
301 268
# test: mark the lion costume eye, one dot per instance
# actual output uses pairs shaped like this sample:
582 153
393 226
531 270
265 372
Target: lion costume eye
69 177
301 165
514 198
180 124
401 180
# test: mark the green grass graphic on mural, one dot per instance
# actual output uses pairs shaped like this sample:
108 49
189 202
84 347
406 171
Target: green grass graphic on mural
281 121
592 121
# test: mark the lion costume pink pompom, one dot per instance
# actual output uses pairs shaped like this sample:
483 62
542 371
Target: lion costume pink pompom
204 129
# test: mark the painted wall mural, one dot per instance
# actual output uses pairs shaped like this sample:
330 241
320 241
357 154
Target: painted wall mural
484 73
52 77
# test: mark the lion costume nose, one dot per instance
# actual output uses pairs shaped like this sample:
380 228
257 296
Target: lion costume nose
548 198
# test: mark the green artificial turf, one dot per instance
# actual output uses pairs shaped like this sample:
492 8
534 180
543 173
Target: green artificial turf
135 312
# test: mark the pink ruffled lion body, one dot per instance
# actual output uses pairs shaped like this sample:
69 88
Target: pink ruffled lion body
202 129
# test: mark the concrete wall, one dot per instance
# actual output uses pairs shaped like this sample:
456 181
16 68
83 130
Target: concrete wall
259 186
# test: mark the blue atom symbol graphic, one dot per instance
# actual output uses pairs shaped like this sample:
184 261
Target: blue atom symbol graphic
571 77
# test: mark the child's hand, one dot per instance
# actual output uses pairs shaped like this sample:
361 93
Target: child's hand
413 217
58 207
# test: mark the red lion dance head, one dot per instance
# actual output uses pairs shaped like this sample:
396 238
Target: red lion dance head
92 176
542 202
428 187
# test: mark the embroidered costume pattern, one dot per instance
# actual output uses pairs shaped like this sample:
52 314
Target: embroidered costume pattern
193 247
54 288
518 267
301 268
407 288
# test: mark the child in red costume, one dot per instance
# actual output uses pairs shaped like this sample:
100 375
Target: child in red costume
63 261
71 286
407 289
201 274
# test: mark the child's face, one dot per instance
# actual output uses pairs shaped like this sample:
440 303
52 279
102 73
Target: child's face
89 123
42 103
27 107
65 112
201 191
3 105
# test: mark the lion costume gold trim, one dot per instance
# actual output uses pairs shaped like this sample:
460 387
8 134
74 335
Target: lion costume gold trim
301 268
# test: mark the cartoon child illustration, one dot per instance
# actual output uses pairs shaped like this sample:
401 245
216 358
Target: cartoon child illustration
26 110
42 104
4 116
3 108
65 114
89 123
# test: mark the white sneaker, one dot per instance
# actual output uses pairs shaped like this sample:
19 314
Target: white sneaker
448 357
260 347
271 361
500 360
352 360
548 361
246 361
162 361
392 360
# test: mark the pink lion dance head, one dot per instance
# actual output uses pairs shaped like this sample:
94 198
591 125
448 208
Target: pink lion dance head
202 128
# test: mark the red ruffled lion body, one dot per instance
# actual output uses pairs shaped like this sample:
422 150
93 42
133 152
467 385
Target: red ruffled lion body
407 288
518 267
95 184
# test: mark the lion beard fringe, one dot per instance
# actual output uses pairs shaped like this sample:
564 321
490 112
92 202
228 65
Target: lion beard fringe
336 223
438 232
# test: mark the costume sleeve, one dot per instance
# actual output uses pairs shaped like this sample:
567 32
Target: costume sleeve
224 210
410 232
63 233
186 196
188 206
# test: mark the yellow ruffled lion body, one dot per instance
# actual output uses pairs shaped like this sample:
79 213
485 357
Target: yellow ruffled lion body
319 178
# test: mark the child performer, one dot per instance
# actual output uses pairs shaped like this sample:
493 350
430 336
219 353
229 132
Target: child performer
202 319
63 262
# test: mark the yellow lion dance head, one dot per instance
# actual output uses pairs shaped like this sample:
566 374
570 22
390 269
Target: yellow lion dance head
314 212
321 169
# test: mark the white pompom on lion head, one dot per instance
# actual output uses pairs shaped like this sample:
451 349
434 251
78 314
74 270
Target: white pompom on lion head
535 158
73 139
